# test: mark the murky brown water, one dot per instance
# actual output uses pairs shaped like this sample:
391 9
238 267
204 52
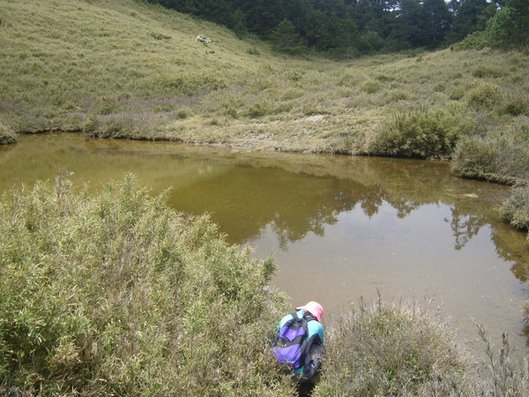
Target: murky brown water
338 227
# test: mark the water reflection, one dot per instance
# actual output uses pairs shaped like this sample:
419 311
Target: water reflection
342 227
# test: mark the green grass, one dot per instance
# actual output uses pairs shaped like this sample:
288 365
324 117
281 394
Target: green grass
132 70
116 294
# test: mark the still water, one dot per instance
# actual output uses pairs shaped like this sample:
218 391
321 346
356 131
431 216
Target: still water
338 228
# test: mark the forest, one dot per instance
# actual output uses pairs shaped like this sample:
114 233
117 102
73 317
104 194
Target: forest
347 28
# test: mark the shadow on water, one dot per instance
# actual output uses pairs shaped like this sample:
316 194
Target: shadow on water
350 214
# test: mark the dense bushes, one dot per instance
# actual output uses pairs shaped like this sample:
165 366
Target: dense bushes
420 133
119 295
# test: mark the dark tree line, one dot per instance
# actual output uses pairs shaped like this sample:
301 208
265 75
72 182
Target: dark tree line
349 27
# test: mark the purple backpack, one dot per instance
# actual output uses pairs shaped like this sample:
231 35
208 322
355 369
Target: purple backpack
290 344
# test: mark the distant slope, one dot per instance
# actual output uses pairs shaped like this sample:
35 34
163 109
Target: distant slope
65 57
122 68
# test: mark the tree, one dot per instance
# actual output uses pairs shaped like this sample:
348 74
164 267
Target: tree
286 39
409 29
520 18
436 21
470 16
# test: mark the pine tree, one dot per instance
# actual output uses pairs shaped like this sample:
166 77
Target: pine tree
286 39
520 16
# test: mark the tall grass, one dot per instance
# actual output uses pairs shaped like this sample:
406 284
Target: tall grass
119 295
405 349
390 349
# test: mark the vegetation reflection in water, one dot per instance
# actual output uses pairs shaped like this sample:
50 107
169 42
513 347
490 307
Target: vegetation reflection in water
340 227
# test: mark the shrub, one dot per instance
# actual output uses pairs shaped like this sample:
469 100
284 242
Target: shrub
260 109
485 95
514 103
502 158
515 210
420 134
389 350
483 71
474 157
6 134
119 295
371 86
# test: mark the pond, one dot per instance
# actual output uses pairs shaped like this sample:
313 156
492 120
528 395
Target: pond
339 228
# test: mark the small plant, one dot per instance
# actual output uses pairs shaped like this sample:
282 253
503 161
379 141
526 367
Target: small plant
253 51
501 157
483 71
260 109
515 103
182 114
371 86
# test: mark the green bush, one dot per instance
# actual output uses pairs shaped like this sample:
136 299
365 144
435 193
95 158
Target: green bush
420 134
390 350
119 295
515 103
6 134
371 86
475 157
502 158
515 210
484 96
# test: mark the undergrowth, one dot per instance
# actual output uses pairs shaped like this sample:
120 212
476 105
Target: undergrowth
390 349
119 295
405 349
515 210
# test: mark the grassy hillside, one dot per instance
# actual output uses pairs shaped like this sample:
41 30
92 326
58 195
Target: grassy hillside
126 69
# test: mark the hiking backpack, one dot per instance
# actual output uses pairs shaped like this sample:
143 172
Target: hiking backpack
291 344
